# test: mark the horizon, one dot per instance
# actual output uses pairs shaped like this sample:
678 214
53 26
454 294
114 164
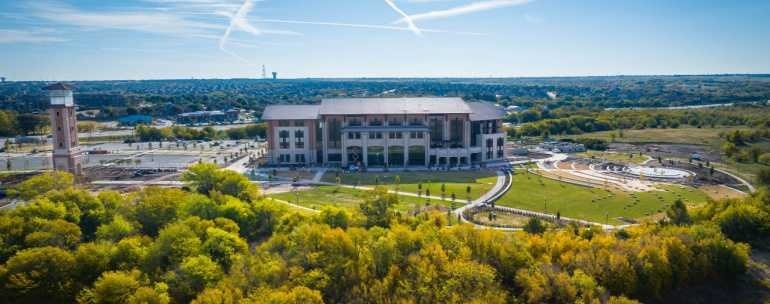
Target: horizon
86 40
406 78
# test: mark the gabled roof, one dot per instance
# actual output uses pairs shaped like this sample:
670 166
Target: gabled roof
58 87
419 105
276 112
485 111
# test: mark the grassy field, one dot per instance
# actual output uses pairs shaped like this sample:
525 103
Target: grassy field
612 156
456 181
685 135
317 197
534 193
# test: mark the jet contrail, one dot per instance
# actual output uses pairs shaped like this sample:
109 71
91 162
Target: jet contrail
413 27
238 20
462 10
365 26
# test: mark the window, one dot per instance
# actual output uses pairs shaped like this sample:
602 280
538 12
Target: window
354 121
375 122
415 121
375 135
354 135
284 158
299 139
436 132
300 158
335 134
456 131
284 123
394 121
395 135
283 139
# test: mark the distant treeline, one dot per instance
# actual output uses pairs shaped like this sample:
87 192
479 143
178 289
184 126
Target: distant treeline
165 98
547 123
14 124
145 133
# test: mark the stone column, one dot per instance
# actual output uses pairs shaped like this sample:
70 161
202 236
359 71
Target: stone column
364 148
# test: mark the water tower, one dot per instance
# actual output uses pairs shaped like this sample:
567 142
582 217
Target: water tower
67 155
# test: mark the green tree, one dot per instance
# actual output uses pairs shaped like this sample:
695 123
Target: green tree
534 226
193 275
224 247
678 214
157 206
39 275
376 208
39 184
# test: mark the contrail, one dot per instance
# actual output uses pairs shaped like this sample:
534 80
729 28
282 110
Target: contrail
462 10
413 27
238 20
365 26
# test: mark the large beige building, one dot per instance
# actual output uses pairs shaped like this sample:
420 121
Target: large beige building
386 132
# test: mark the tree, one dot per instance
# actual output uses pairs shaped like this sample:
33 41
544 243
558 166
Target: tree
677 213
115 287
202 177
376 208
534 226
117 229
763 177
193 275
156 207
224 247
39 184
39 275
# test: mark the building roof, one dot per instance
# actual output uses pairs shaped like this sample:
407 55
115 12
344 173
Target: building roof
353 106
485 111
276 112
59 86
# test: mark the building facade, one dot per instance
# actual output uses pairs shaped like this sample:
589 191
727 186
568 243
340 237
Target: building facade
385 132
67 155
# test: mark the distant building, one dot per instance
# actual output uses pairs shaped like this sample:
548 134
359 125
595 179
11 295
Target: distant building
133 120
209 117
386 132
67 155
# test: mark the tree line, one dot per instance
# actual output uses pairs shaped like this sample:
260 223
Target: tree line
15 124
147 133
549 123
218 240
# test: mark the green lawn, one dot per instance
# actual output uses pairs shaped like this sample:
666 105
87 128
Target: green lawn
533 192
320 196
456 181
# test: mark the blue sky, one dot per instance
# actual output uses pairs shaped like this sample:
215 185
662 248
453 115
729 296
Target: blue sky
159 39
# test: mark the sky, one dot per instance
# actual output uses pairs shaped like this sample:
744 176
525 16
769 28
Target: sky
179 39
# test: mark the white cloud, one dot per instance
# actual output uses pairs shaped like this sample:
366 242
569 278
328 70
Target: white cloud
28 36
143 21
463 10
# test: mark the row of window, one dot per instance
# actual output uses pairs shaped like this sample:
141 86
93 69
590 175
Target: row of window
288 123
391 135
299 139
286 158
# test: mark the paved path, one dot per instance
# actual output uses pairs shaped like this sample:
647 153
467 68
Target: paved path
318 175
